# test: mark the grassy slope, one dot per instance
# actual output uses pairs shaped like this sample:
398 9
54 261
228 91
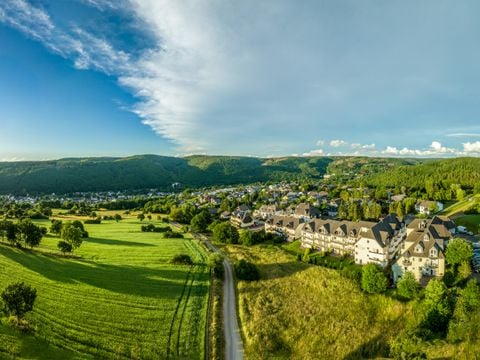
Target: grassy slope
150 171
461 206
121 299
298 311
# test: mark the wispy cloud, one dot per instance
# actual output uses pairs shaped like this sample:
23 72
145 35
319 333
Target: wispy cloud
212 80
460 135
84 49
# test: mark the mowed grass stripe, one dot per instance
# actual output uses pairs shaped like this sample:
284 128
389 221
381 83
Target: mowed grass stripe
118 299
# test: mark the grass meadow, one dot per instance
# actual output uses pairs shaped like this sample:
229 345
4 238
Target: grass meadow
302 311
118 297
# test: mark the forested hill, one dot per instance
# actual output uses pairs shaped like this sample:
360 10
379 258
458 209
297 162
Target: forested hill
151 171
434 173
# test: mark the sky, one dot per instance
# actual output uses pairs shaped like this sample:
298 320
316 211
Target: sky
270 78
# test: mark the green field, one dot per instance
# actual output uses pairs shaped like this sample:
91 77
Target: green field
461 206
121 298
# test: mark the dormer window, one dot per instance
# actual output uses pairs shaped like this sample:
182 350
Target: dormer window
419 248
426 237
433 252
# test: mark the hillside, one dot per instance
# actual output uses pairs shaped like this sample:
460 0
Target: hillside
356 166
463 171
150 171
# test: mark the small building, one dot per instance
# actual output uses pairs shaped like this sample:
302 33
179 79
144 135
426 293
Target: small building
427 207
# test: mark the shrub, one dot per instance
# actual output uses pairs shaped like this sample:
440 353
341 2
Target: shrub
18 299
246 271
215 262
93 221
408 287
172 235
182 259
373 279
64 246
306 255
458 251
56 227
224 232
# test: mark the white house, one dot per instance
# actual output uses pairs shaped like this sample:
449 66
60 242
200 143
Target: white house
426 207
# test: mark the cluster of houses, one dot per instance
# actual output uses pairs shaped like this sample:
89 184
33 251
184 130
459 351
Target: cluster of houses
417 247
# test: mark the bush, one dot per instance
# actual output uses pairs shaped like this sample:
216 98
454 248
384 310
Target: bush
64 246
246 271
93 221
408 287
458 251
306 255
153 228
182 259
215 262
352 272
373 279
224 232
18 299
172 235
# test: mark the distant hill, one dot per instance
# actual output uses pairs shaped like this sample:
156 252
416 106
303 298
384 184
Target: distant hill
443 172
151 171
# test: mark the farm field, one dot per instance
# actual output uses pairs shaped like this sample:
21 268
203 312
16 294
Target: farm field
298 311
120 298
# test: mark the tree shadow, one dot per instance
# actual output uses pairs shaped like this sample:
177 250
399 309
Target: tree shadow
280 270
102 241
165 282
372 349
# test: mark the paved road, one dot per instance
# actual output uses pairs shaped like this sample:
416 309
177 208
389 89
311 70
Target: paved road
233 340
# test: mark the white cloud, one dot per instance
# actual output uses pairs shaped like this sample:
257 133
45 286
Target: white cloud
320 142
436 148
338 143
316 152
472 147
362 146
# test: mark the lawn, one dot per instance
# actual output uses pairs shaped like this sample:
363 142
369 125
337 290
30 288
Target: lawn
471 222
121 298
301 311
461 206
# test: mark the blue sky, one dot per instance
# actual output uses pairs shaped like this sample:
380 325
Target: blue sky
271 78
